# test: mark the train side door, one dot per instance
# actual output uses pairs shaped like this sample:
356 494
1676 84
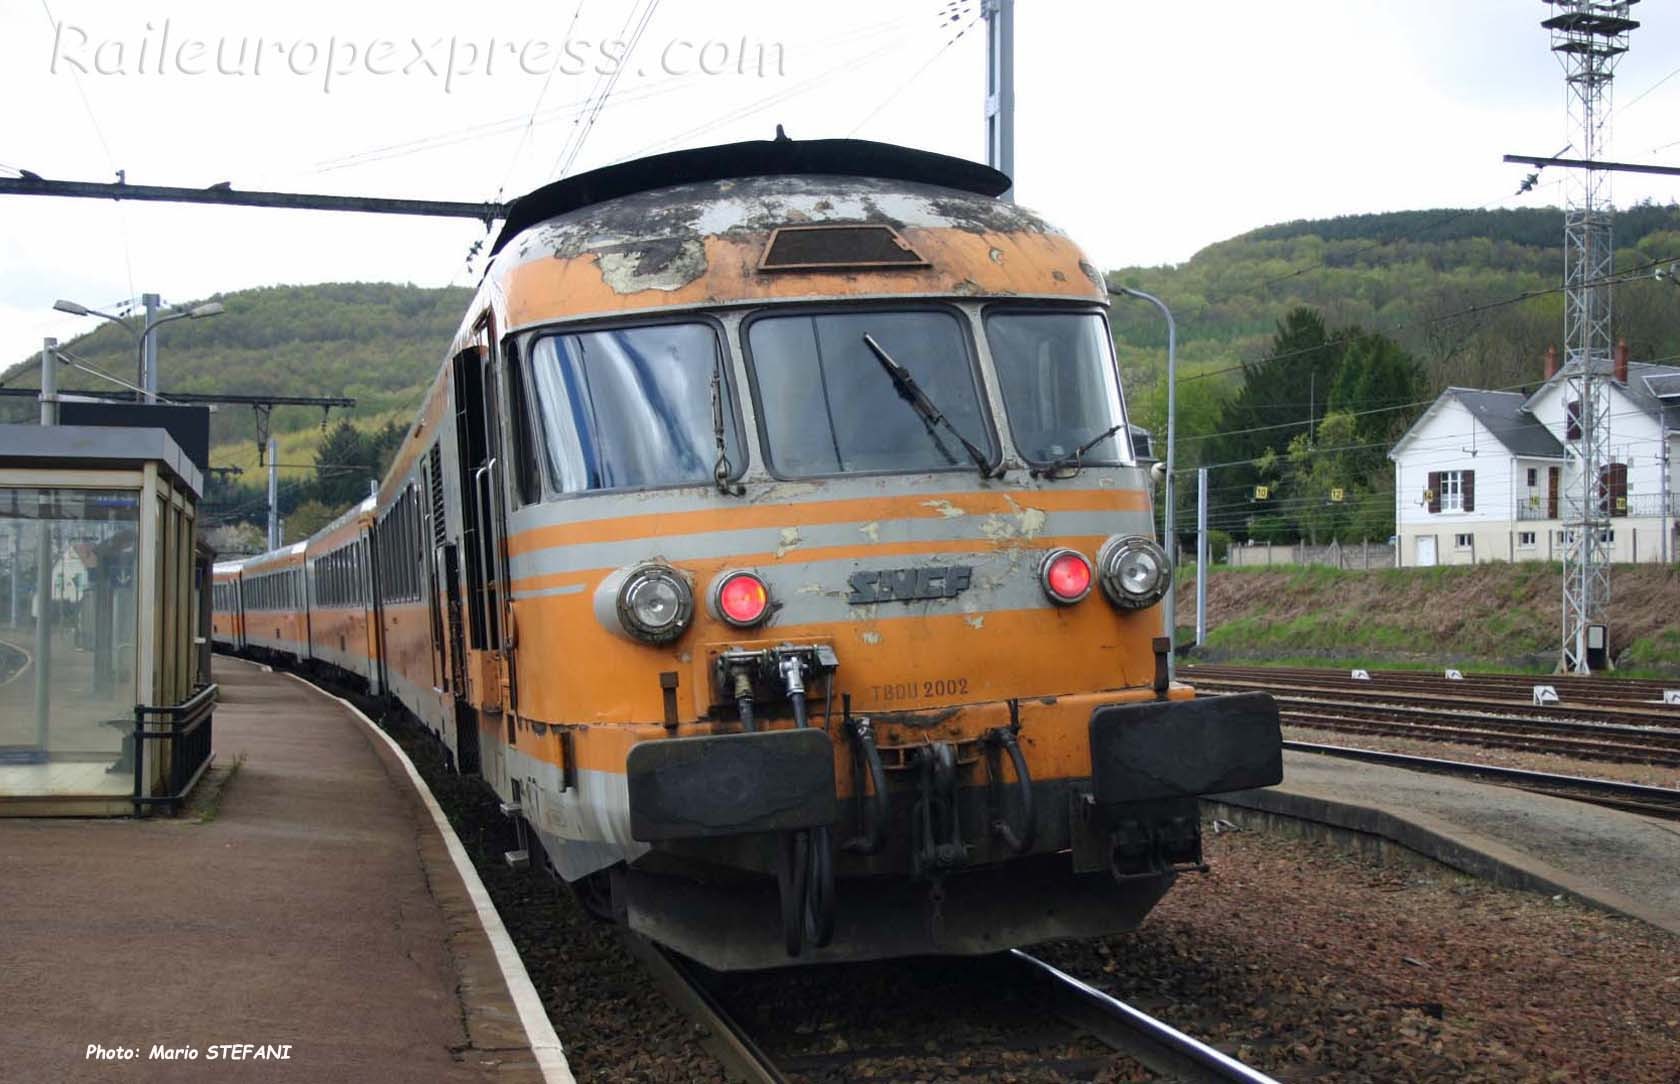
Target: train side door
483 525
449 649
370 612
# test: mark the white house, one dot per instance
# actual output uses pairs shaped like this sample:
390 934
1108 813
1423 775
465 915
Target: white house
1487 476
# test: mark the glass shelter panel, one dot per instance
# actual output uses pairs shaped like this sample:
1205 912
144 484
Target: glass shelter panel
67 639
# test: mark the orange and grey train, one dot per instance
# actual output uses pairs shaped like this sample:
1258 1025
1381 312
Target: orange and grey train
773 542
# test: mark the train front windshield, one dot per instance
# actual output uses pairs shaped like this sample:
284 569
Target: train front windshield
1059 385
830 405
633 407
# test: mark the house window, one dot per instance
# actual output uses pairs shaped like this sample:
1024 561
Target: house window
1533 477
1463 541
1525 539
1607 537
1452 491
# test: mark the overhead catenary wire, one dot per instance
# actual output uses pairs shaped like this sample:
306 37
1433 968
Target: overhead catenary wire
110 159
516 122
850 67
531 119
915 75
563 165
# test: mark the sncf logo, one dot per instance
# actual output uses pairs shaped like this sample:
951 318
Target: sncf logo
909 584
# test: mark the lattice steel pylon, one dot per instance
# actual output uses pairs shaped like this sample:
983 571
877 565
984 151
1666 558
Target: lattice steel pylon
1589 38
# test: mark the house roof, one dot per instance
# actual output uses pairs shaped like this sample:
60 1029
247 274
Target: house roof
1502 413
1506 417
1655 389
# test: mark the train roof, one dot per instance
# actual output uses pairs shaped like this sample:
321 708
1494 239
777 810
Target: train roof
752 158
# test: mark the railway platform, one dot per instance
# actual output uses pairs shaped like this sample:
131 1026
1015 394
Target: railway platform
1618 861
308 921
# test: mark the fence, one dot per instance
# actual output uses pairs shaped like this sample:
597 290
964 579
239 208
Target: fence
187 727
1355 555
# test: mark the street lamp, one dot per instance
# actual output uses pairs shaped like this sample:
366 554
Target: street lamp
1170 539
147 381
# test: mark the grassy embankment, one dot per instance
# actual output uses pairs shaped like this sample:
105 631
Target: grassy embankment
1490 616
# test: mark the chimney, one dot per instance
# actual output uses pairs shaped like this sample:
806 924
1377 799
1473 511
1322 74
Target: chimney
1621 361
1551 362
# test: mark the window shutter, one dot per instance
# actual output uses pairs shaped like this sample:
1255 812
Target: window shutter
1467 482
1434 491
1573 419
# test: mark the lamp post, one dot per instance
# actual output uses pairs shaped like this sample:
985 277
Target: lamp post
145 336
1169 540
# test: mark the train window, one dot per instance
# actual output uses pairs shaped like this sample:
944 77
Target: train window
527 482
632 407
829 406
1059 383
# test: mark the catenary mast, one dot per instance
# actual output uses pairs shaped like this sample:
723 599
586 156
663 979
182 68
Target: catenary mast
1589 37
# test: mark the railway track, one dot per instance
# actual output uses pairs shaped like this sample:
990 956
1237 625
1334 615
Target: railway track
1573 691
1329 700
1165 1052
1661 802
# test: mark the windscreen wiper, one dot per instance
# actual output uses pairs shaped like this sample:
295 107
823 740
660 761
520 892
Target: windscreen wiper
912 393
1075 458
722 469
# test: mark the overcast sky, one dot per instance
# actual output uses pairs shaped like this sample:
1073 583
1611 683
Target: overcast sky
1145 138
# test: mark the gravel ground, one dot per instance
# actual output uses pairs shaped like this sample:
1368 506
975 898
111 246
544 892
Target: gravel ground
1314 964
913 1020
1305 961
1648 774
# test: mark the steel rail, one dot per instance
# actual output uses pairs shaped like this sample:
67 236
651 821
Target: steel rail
1604 791
1646 714
1483 731
1571 689
1160 1047
723 1037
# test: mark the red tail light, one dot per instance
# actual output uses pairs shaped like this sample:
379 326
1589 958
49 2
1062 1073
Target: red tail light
1065 576
742 599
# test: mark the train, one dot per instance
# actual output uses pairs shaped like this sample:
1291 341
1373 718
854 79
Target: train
773 541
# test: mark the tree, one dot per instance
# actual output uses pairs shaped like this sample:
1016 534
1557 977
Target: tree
307 518
346 460
1284 391
1378 385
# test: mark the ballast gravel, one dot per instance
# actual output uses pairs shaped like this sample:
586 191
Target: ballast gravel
1308 962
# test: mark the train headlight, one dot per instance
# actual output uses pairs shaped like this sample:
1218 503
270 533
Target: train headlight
1065 576
740 598
655 604
1134 572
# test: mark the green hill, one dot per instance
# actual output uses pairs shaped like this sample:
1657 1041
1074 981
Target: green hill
379 343
1439 282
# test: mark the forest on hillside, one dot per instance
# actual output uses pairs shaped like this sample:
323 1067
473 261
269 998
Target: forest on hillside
1306 335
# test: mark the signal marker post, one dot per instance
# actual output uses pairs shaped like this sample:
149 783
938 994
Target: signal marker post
1201 553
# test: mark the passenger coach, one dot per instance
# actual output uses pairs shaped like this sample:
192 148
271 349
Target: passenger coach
773 542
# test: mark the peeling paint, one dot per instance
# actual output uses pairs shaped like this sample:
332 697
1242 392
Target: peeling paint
790 541
978 621
659 264
870 638
871 531
944 508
